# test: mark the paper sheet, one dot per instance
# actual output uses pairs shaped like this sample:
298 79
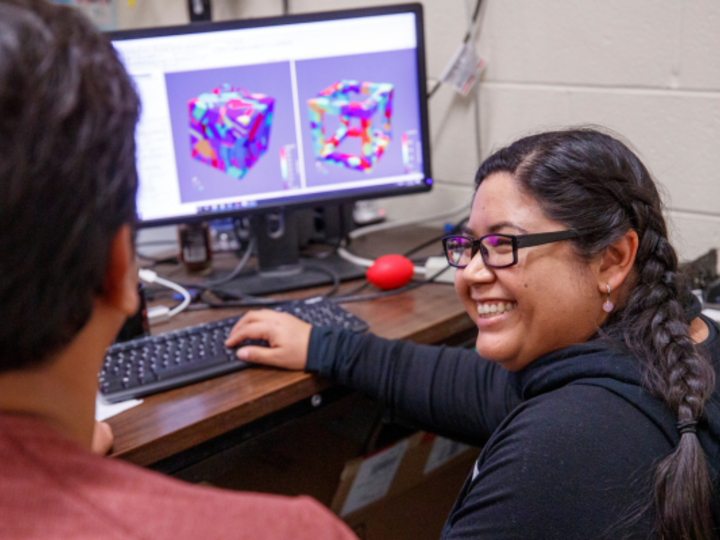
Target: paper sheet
374 478
105 410
442 451
463 69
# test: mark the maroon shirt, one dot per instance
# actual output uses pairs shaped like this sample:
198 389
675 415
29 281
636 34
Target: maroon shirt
50 488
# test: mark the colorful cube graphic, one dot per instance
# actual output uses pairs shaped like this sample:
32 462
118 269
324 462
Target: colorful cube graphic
335 100
230 128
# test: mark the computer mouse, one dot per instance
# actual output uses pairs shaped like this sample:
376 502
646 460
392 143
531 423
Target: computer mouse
390 272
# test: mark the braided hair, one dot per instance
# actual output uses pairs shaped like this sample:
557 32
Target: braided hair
585 168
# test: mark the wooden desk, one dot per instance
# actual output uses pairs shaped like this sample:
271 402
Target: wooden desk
177 420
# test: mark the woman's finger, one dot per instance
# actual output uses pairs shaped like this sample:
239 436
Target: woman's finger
252 330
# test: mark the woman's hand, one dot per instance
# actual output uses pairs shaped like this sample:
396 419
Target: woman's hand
288 337
103 438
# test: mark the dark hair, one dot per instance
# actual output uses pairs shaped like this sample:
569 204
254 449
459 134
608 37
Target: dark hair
67 174
586 169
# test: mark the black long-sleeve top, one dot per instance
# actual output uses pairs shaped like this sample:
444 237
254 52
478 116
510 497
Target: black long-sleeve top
570 442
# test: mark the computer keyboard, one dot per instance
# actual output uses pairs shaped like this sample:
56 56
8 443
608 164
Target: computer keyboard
153 364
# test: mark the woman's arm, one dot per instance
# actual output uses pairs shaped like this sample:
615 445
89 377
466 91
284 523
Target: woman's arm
445 390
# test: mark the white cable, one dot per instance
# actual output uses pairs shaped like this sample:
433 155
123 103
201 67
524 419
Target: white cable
366 263
151 277
355 259
186 295
357 233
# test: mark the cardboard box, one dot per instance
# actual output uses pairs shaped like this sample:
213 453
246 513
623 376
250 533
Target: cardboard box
404 491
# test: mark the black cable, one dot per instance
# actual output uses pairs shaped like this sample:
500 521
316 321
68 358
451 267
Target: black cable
254 301
263 302
424 245
478 4
385 294
330 272
477 10
347 296
354 291
334 246
455 228
249 301
437 238
209 285
155 260
286 7
434 89
476 13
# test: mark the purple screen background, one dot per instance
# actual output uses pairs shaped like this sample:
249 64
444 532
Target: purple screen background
396 67
270 79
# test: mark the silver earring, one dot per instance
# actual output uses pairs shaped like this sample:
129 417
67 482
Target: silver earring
608 306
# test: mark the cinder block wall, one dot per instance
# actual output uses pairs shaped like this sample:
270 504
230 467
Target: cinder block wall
648 69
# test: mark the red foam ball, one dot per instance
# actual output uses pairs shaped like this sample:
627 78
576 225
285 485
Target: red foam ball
390 272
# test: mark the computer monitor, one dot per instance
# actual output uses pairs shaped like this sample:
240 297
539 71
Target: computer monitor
259 115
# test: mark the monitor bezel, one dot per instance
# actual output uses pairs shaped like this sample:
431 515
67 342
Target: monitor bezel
318 199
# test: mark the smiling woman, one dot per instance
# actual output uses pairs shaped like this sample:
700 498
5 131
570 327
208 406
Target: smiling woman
586 376
544 277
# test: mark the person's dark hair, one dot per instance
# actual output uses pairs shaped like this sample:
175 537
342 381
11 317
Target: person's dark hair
585 169
67 174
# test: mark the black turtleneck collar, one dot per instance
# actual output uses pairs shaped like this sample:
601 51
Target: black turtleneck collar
591 360
598 363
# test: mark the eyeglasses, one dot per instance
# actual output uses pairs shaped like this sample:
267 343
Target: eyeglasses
498 250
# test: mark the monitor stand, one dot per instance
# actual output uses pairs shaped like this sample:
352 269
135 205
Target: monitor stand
280 267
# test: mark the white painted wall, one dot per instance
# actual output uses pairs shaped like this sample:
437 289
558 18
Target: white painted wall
648 69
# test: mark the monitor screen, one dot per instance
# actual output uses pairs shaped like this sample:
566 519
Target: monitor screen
293 111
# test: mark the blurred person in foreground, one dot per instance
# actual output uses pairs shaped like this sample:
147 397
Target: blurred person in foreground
67 283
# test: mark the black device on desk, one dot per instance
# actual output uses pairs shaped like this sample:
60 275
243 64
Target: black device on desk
262 117
150 365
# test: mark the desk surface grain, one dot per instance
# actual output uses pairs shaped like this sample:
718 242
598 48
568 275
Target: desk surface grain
173 421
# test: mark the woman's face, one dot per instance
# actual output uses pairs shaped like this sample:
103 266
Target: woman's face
550 297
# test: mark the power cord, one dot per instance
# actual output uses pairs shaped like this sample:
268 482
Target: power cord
430 242
476 14
385 294
254 301
232 275
357 233
408 253
158 314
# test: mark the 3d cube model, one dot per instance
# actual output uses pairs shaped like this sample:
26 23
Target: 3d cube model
230 128
335 100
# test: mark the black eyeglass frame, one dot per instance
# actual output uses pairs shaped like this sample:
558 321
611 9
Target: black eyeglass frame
517 241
